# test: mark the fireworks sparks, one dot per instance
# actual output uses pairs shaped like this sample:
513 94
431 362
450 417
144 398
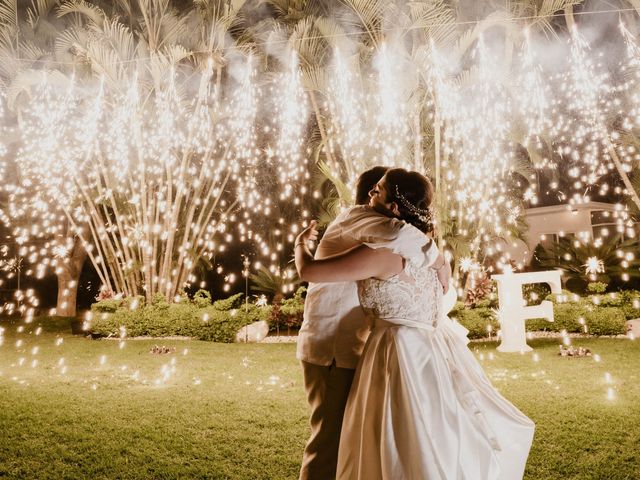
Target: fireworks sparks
174 160
594 266
147 186
484 112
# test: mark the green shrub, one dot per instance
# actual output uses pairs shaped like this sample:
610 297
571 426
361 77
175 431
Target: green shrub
162 319
606 321
251 313
599 320
220 326
457 307
597 287
133 302
490 301
202 298
608 300
160 300
105 325
563 297
234 301
476 320
108 305
566 317
631 304
292 309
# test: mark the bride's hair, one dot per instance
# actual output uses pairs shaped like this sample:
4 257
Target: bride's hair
413 193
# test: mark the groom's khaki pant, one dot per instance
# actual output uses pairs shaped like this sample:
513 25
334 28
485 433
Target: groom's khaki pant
327 391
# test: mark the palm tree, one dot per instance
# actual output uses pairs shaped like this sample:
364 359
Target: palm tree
583 263
150 49
27 41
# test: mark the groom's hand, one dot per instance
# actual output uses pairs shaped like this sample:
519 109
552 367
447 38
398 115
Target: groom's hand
444 275
309 234
443 270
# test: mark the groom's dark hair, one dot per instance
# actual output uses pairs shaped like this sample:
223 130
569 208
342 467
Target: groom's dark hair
366 181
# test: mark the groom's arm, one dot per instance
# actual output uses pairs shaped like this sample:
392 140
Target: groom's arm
364 225
375 230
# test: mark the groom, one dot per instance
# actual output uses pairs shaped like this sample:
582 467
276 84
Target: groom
335 326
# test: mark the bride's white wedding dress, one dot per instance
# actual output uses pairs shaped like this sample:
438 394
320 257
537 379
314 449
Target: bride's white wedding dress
421 406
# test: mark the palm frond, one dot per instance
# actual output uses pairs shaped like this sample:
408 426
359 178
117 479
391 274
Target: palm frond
435 19
106 62
161 62
280 7
524 167
9 65
126 7
116 37
331 207
172 30
634 177
312 50
467 77
635 4
315 79
459 246
266 282
71 39
31 52
572 255
370 16
9 13
332 32
468 38
550 7
39 10
9 61
344 192
94 13
545 13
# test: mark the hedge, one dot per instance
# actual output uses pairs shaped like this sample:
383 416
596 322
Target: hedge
476 320
567 316
219 321
606 321
196 318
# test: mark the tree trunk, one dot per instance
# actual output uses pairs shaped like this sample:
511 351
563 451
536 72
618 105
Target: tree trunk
68 278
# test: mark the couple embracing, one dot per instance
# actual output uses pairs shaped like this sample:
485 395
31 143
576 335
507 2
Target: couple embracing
394 391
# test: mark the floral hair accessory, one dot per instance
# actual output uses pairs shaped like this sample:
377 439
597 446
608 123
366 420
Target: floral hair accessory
423 215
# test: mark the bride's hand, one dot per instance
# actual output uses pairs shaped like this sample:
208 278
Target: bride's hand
309 234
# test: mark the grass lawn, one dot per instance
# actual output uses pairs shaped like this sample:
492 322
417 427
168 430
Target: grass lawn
90 409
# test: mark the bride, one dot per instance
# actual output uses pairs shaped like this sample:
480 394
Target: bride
420 406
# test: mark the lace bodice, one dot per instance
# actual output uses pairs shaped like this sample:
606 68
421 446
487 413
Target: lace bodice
412 295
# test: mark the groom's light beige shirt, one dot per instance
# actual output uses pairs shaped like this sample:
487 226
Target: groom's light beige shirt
335 325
